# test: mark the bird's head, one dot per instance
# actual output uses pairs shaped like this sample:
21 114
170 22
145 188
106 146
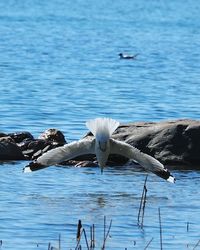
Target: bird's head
102 129
102 146
102 149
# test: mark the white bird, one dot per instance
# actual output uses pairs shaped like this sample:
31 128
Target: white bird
101 145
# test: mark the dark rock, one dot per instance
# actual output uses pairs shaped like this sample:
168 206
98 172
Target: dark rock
171 142
21 136
32 149
3 134
50 139
53 135
9 150
22 145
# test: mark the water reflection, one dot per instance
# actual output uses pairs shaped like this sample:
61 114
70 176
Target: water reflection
101 201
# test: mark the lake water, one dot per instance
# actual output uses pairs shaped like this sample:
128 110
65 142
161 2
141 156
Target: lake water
59 67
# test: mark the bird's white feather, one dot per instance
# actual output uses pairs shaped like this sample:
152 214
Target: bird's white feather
67 152
146 161
102 128
27 170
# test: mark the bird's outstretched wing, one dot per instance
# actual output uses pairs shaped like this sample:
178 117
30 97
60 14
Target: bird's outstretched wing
146 161
60 154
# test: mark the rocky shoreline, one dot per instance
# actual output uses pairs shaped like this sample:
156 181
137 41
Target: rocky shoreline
175 143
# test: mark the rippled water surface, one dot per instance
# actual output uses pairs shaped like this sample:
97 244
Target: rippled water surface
59 66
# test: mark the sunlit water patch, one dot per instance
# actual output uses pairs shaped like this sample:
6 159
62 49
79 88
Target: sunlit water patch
36 208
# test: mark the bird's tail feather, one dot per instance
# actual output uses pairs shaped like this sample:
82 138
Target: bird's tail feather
165 174
33 166
102 128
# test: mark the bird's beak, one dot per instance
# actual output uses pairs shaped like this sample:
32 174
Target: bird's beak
102 146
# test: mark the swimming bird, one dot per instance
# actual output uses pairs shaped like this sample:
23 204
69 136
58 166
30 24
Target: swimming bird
101 145
126 56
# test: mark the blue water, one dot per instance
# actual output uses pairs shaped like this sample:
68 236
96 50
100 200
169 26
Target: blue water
59 67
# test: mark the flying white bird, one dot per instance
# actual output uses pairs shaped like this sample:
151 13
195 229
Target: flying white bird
101 145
